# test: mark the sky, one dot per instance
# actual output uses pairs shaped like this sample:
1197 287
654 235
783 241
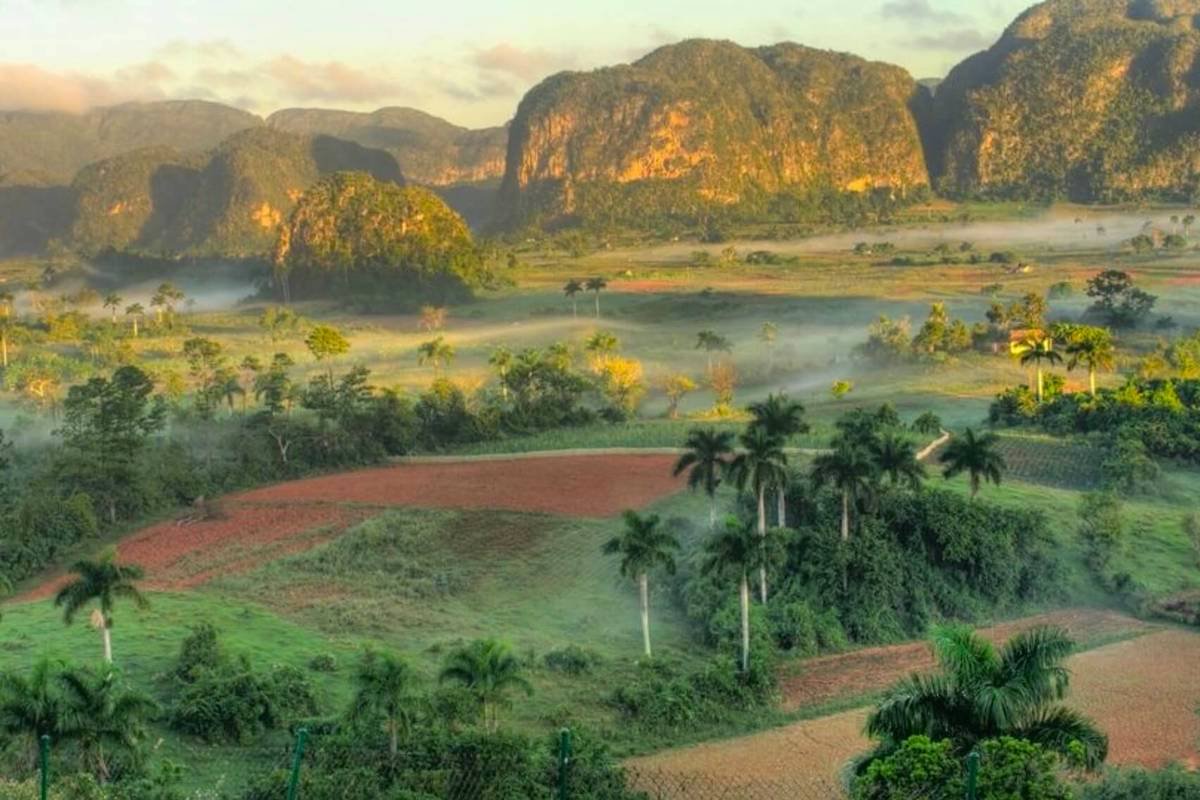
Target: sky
469 61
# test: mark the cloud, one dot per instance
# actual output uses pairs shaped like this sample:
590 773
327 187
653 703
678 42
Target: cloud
527 65
919 12
955 40
328 81
29 87
200 50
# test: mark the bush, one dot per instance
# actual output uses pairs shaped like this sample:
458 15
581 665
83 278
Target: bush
1100 528
571 660
325 662
1172 783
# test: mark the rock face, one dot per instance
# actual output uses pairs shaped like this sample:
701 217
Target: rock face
429 149
1096 100
53 146
227 203
710 124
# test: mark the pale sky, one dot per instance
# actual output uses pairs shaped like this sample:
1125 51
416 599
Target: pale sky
469 61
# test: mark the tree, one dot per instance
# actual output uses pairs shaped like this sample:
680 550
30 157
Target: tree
385 687
643 547
896 459
738 550
1093 348
705 459
981 693
571 289
596 285
32 707
840 389
712 342
103 581
272 387
279 322
501 360
928 424
106 423
675 387
489 671
975 455
1121 303
112 301
436 352
783 418
601 346
1188 222
135 312
760 465
768 334
850 469
1038 349
326 343
251 367
103 717
164 300
11 332
433 318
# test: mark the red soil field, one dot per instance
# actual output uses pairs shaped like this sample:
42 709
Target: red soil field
268 523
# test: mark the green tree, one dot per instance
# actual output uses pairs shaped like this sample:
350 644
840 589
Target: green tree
984 693
1121 303
768 334
32 707
737 551
928 424
103 717
490 672
706 456
850 470
164 300
436 352
1093 348
279 322
103 582
385 686
596 285
112 301
643 547
760 465
712 342
501 360
571 289
136 312
976 455
783 418
1038 349
896 459
326 343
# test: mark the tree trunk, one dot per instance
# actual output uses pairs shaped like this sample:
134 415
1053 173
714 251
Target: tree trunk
597 305
974 485
1092 379
106 635
782 508
135 328
745 623
4 345
712 512
1039 383
762 532
845 515
574 307
394 736
644 585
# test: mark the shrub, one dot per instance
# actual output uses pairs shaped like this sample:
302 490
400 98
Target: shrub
325 662
1172 783
1100 528
571 660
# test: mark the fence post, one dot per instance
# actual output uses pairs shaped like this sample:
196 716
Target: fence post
564 760
972 775
297 755
44 766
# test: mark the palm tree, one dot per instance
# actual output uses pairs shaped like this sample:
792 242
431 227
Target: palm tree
783 418
501 360
976 456
385 684
1092 347
11 332
768 334
981 693
760 465
705 459
712 342
850 469
103 581
596 285
101 716
32 707
135 312
571 289
489 671
1038 349
643 545
112 301
738 550
896 458
436 352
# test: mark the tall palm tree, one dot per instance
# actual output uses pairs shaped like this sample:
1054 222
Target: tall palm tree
738 550
571 289
436 352
1038 350
32 707
112 301
488 670
896 459
984 693
501 360
643 546
705 459
712 342
135 312
760 465
850 469
1093 348
103 581
782 417
596 285
975 455
385 688
103 717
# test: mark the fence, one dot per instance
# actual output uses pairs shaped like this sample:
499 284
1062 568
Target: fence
633 782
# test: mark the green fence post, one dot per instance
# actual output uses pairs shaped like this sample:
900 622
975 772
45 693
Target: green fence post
297 756
564 760
972 775
44 765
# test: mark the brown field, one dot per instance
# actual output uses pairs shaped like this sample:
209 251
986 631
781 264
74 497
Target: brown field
1143 692
268 523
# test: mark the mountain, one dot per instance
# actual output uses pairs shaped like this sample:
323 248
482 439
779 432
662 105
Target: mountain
1096 100
229 202
430 150
54 145
709 124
